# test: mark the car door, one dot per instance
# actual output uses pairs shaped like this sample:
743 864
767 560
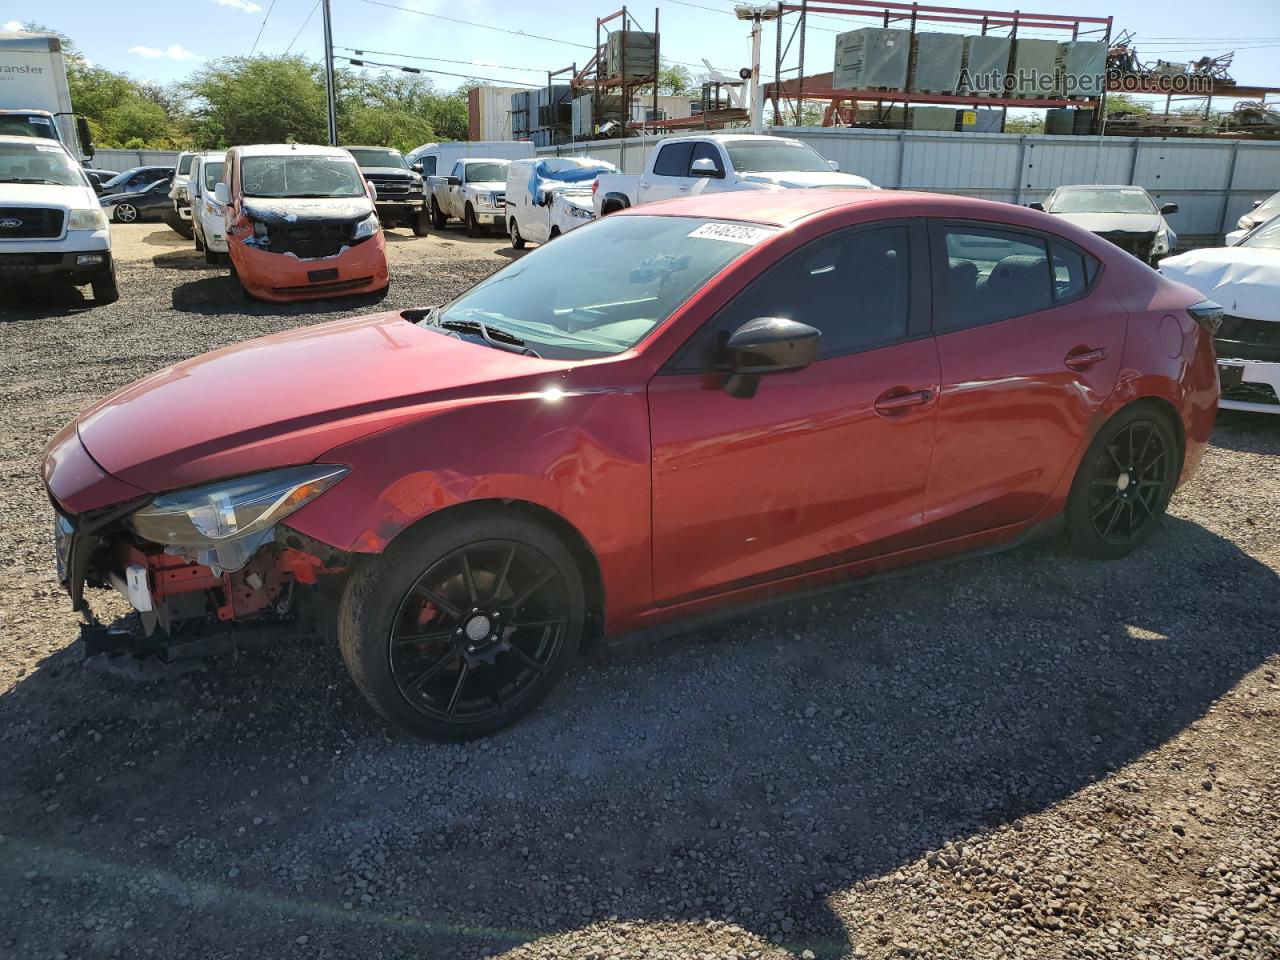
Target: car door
1029 348
457 190
706 150
822 465
670 174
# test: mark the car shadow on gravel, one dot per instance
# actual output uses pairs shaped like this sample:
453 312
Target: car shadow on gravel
35 300
218 294
742 773
1248 432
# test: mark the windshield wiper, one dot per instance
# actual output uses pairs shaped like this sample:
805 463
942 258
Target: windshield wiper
32 180
494 336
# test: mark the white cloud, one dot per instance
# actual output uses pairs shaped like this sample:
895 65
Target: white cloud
13 26
174 52
248 6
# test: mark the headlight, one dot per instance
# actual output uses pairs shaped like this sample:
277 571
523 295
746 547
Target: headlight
580 213
260 230
220 512
366 227
90 219
1161 242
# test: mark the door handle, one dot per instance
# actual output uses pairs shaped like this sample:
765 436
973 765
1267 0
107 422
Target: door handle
1085 358
889 403
684 187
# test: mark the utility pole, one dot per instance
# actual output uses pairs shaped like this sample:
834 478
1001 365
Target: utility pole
329 91
757 16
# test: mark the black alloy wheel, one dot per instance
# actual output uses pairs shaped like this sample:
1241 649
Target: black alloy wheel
462 627
1124 484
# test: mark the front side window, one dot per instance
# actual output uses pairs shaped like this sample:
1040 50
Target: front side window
428 166
301 177
602 288
211 171
34 162
996 274
854 286
774 156
673 160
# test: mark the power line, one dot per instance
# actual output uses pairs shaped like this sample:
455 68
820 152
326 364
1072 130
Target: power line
303 27
361 62
468 63
262 27
484 26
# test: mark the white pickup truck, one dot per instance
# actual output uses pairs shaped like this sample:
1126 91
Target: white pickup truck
687 166
475 192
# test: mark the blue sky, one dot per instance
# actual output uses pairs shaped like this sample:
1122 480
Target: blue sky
164 40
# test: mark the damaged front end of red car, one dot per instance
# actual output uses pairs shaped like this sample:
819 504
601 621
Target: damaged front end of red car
207 570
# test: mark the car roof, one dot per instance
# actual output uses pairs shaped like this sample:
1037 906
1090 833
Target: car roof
279 149
1101 186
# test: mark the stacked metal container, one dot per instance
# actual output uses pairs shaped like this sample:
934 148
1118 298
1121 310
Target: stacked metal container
872 59
986 66
936 61
586 117
521 114
1035 69
632 51
1081 69
932 118
554 105
979 121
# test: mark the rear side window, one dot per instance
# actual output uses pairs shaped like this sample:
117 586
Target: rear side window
996 274
1073 271
673 160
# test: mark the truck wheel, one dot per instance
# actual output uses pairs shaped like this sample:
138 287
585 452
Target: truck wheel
105 289
210 257
437 215
517 241
199 241
421 221
179 226
473 225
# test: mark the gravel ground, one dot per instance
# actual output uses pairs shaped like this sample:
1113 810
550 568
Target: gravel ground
1028 755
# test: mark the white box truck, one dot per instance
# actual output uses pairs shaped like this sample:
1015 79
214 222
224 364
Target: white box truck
35 100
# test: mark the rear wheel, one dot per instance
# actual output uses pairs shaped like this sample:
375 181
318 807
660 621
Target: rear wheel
460 629
125 213
437 215
517 241
1123 484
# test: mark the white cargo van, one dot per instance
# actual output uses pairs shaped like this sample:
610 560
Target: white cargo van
548 196
437 159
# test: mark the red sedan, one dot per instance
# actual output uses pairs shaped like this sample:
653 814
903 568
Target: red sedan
675 411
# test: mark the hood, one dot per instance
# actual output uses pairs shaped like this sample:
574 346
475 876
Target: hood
1115 222
395 172
1244 280
581 199
287 398
487 186
46 195
305 209
795 180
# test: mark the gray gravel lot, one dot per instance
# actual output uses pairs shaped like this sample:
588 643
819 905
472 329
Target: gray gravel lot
1028 755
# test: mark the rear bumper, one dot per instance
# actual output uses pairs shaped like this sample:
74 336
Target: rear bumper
283 277
78 266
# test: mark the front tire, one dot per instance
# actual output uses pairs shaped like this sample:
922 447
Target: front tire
462 627
474 229
125 213
517 241
105 289
1123 484
421 223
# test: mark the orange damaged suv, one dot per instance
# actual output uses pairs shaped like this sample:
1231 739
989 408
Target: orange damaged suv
300 223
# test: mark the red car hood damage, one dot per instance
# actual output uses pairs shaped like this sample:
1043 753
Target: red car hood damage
287 398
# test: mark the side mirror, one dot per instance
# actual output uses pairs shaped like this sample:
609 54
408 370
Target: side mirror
833 165
373 191
416 168
704 167
1036 205
222 193
85 137
767 345
1169 208
1257 204
455 181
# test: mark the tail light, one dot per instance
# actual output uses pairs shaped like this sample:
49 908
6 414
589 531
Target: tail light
1208 314
595 185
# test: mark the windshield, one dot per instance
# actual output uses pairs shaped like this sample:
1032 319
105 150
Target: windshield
19 126
1266 237
211 173
487 171
184 164
763 156
300 176
1102 201
377 157
38 163
602 288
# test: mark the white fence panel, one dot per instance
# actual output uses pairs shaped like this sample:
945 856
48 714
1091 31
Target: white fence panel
121 160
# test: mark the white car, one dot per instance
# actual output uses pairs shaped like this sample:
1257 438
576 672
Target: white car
549 196
1263 210
179 217
1245 280
433 159
206 212
51 223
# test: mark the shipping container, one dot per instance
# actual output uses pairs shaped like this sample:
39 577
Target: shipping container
986 66
932 118
1035 69
872 59
489 113
1081 69
1060 121
936 61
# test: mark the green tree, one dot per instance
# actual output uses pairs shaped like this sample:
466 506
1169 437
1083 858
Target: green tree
136 119
1124 103
239 100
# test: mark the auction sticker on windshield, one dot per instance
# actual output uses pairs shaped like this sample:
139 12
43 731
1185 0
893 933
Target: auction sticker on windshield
733 233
